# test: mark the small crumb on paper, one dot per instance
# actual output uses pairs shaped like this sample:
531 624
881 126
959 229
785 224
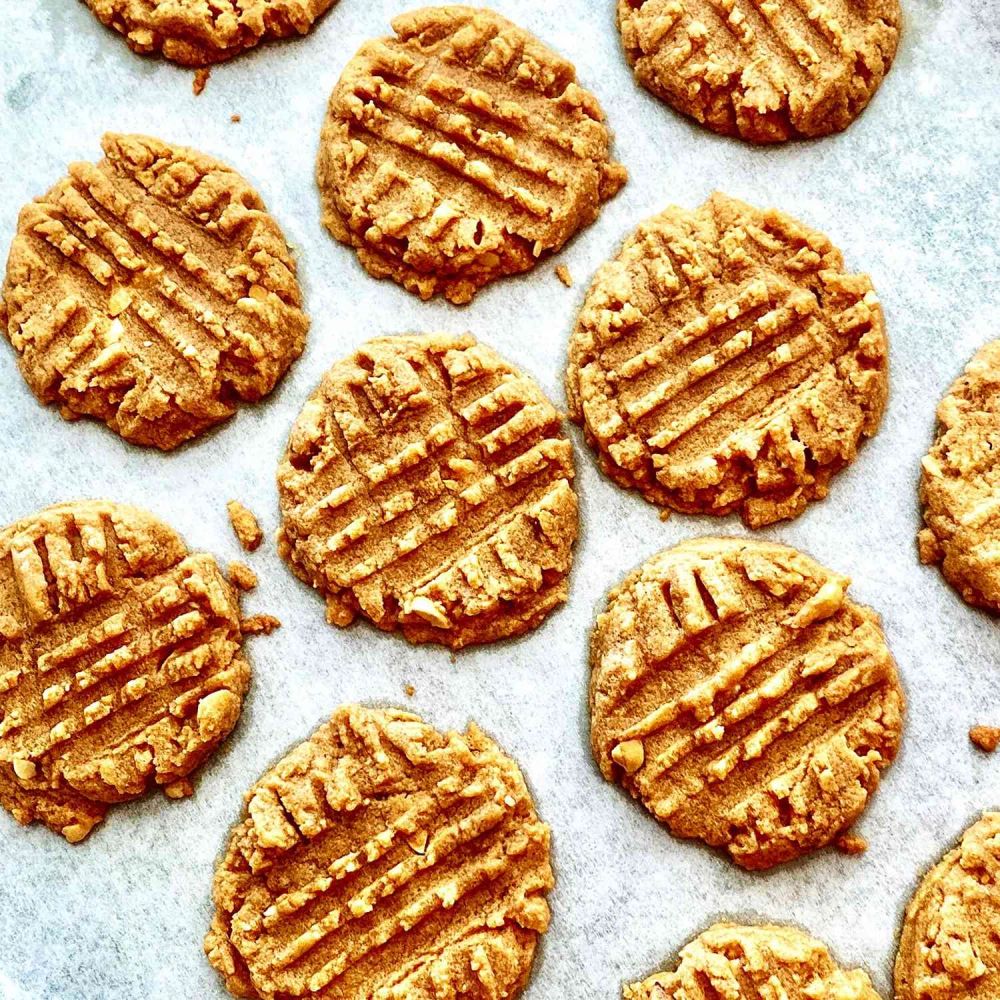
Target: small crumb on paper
260 624
244 525
987 738
200 79
242 576
410 690
235 119
179 789
562 273
851 843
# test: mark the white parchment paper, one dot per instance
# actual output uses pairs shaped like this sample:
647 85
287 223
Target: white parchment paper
909 193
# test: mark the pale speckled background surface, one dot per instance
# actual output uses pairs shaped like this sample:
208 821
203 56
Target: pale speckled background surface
910 195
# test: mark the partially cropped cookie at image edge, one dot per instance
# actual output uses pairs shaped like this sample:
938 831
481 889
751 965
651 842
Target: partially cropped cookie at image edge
960 483
743 698
763 71
382 858
949 946
151 291
120 662
460 150
199 34
750 962
427 485
725 361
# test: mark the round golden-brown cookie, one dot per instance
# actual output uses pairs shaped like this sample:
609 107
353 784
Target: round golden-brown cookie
201 33
745 963
427 486
459 151
743 698
120 662
383 859
949 948
725 361
960 483
151 291
764 71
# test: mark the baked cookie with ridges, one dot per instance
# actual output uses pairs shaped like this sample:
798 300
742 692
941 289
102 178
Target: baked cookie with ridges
427 486
743 697
198 34
383 859
746 963
949 948
459 151
725 361
120 662
763 70
960 483
151 291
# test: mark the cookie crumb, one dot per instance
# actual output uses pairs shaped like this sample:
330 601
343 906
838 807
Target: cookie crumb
260 624
562 273
179 789
987 738
410 690
200 79
851 843
242 576
665 514
245 526
235 119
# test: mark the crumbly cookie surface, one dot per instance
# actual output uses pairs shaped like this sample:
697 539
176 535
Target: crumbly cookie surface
151 291
201 32
949 948
743 698
764 71
427 486
960 483
460 150
383 859
725 361
744 963
120 662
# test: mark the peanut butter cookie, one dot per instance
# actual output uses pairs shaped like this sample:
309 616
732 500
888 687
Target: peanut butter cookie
151 291
426 486
743 698
197 34
459 151
950 949
960 484
383 859
724 361
745 963
120 662
768 70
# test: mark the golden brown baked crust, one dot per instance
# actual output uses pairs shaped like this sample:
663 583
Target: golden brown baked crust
427 486
743 698
197 34
383 859
459 151
151 291
960 483
949 948
748 963
724 361
767 70
120 662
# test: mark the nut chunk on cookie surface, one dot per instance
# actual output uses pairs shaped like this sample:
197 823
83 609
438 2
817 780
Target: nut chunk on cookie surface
382 858
120 662
743 698
427 486
153 292
725 362
460 150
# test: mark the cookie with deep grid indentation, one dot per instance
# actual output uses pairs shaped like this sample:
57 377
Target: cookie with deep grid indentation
198 34
749 962
383 859
764 70
151 291
960 483
949 946
427 486
724 361
743 698
120 662
459 151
